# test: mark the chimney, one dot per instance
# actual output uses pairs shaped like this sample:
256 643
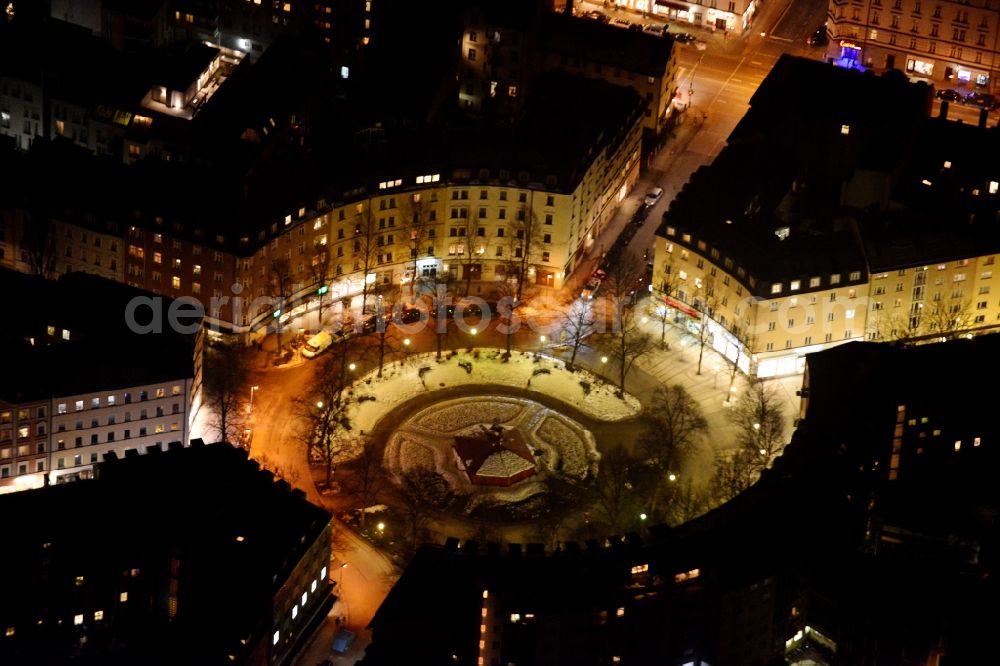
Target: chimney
943 115
569 7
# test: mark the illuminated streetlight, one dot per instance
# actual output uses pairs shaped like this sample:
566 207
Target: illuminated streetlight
352 366
319 404
672 477
604 359
645 319
642 516
756 426
406 342
543 338
253 389
763 452
380 526
473 331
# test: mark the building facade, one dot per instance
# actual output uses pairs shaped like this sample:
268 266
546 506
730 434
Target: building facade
736 16
85 427
948 43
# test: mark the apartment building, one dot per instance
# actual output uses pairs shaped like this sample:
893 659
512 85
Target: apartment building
79 383
472 213
950 43
844 241
24 441
505 45
235 571
87 426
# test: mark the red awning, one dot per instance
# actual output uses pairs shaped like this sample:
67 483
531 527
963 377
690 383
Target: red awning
686 309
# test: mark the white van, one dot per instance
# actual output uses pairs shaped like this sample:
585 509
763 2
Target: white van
317 344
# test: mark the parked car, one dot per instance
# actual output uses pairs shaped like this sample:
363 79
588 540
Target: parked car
589 289
344 332
658 30
410 315
982 100
682 37
343 641
597 16
653 196
621 23
317 344
818 38
950 95
369 324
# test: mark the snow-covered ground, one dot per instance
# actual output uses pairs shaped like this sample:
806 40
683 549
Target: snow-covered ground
536 372
561 446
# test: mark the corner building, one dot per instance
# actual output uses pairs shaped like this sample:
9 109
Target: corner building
835 228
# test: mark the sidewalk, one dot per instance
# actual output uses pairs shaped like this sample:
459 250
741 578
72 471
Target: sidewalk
677 363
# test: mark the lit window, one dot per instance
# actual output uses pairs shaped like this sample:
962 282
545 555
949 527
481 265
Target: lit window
994 185
175 282
295 611
79 581
312 586
947 164
776 288
274 639
322 573
98 615
305 597
78 619
620 612
65 334
10 631
958 444
123 597
515 617
795 284
976 441
640 568
845 129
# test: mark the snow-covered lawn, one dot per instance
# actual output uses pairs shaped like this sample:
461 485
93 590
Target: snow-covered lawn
402 381
562 446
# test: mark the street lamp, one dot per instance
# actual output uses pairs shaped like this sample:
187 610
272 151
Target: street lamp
672 477
604 359
473 331
253 389
319 404
352 366
642 516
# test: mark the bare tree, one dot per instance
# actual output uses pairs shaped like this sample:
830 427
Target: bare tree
669 286
947 320
323 411
281 288
613 489
38 242
422 490
470 243
366 250
626 341
760 425
705 303
367 478
673 427
384 308
733 472
744 347
578 322
320 269
226 375
415 220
